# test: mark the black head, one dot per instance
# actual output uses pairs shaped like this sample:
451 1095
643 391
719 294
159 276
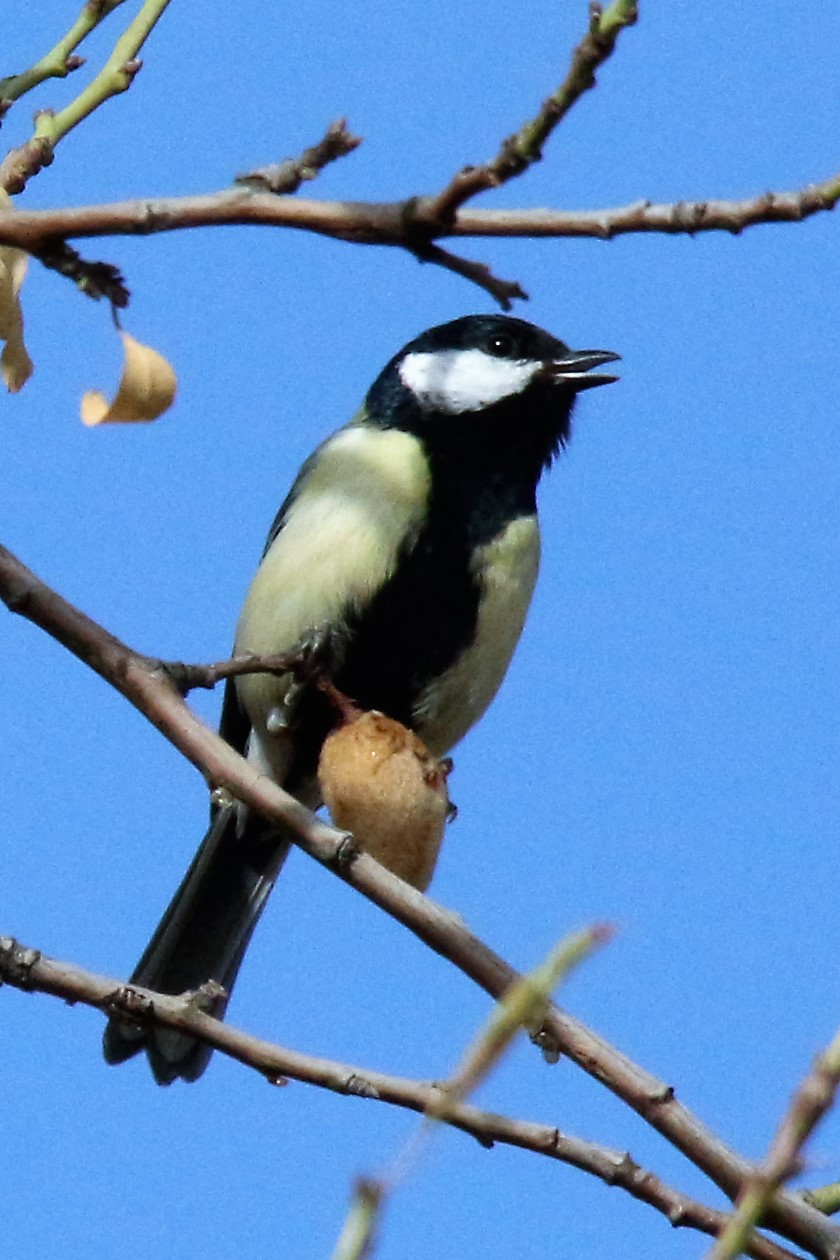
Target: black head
487 379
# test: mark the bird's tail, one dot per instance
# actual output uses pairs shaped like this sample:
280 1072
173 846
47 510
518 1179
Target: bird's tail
202 936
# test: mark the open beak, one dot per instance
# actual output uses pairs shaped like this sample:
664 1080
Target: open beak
574 369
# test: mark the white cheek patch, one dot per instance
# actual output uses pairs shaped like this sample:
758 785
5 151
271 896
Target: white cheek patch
453 381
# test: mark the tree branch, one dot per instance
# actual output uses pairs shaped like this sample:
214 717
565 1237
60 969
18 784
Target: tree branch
189 677
395 223
503 291
30 971
414 224
146 685
288 175
405 225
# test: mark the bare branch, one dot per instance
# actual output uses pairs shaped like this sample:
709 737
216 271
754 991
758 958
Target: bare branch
189 677
288 175
390 223
503 291
680 218
102 279
31 971
414 224
146 685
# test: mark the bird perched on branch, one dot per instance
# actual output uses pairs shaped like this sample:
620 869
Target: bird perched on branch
408 547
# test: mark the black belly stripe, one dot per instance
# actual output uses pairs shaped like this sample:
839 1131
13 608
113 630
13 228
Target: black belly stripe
425 616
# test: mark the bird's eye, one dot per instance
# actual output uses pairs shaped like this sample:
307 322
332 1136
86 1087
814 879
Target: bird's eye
500 345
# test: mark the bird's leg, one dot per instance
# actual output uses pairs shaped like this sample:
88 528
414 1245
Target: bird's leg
346 709
318 654
314 659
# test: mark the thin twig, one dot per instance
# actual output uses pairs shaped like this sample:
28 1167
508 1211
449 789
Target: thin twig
188 677
152 692
31 971
287 176
414 224
503 291
385 223
103 279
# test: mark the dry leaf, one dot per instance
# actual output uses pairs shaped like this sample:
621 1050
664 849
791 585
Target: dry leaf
16 367
146 390
15 364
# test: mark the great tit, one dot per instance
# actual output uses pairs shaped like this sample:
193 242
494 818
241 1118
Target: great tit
410 540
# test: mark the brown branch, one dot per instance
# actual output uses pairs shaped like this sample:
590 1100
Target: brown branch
189 677
102 279
679 218
523 149
146 685
503 291
20 164
288 175
30 971
421 218
413 224
406 225
389 223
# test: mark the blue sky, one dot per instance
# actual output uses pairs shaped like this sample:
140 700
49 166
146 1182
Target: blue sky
664 752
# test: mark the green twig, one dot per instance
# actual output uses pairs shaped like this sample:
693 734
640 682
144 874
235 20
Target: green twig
19 165
358 1233
826 1198
615 17
522 1006
115 76
59 61
809 1104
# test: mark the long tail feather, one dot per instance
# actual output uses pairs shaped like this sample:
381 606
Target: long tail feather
202 936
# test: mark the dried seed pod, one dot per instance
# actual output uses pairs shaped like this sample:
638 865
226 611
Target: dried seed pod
381 782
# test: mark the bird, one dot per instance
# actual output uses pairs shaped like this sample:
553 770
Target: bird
407 549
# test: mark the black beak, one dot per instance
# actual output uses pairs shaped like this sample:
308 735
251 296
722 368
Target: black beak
574 369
